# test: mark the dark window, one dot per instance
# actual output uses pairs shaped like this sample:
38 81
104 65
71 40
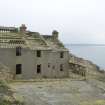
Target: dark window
38 69
38 53
61 67
18 51
18 69
48 65
62 55
53 67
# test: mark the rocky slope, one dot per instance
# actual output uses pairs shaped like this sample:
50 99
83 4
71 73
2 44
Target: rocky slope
8 96
82 65
5 73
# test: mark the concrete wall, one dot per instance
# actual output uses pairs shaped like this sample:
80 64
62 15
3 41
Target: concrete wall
29 62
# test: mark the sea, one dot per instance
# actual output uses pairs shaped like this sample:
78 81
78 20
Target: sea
92 52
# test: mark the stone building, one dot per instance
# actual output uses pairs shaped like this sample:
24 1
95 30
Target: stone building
32 55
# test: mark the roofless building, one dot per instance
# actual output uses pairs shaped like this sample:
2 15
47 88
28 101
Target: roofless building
32 55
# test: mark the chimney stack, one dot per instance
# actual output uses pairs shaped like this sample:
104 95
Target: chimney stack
55 34
23 28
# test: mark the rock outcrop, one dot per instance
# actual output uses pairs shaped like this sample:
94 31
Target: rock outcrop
9 96
85 68
5 73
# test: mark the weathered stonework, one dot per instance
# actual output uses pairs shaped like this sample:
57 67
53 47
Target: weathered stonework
85 68
26 45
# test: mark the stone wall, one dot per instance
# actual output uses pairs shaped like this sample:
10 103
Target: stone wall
29 62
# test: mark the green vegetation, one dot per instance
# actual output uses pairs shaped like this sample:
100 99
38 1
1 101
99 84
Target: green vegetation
97 102
3 84
7 96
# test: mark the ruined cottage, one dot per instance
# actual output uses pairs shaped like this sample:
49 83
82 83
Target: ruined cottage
33 55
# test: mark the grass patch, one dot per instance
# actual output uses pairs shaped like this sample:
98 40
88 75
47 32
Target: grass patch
97 102
7 96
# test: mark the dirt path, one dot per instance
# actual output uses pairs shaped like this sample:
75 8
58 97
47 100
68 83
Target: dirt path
28 92
64 92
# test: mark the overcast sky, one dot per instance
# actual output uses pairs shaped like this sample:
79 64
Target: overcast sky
78 21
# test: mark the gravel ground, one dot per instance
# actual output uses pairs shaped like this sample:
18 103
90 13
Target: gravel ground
59 92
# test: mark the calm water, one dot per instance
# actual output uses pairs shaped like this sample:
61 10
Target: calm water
94 53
